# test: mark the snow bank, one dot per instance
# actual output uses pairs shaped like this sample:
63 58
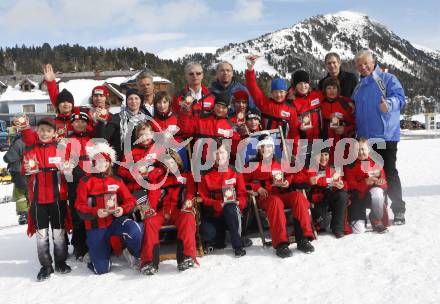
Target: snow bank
399 267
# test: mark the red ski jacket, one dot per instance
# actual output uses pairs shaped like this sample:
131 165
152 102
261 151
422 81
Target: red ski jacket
263 176
358 171
173 193
325 182
79 152
202 106
93 191
166 122
308 108
340 109
213 184
141 156
273 114
47 185
62 121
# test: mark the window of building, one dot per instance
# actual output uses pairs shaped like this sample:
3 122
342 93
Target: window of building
28 108
50 108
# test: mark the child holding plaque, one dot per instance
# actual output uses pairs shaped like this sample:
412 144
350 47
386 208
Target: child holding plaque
171 203
367 183
272 187
337 113
103 201
224 197
328 195
307 103
47 195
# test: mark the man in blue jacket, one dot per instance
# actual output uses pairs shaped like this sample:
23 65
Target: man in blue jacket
379 97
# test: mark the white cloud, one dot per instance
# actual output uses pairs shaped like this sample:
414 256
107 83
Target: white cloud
248 10
74 15
28 15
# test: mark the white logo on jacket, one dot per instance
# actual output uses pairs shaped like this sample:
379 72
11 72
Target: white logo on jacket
112 187
315 102
231 181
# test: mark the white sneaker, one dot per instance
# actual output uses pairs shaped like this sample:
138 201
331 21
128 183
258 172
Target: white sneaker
133 262
358 226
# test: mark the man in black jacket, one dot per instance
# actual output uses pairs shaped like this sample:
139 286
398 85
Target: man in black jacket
347 80
13 159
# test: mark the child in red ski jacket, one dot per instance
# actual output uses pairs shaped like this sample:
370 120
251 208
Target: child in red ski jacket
171 203
272 187
307 103
337 113
224 197
103 201
367 182
328 195
47 195
77 146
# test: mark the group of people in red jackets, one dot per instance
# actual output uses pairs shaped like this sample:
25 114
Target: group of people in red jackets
114 180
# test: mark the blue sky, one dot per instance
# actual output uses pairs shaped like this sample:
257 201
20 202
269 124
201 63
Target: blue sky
170 26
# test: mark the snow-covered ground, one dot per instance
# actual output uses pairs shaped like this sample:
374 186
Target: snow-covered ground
402 266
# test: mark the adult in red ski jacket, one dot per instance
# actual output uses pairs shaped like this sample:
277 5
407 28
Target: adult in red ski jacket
171 203
223 195
367 182
272 187
195 99
274 110
214 126
102 201
328 193
47 195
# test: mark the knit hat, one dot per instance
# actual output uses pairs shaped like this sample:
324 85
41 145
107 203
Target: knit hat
253 113
223 98
300 76
278 84
65 96
100 90
135 92
241 96
47 121
79 113
104 150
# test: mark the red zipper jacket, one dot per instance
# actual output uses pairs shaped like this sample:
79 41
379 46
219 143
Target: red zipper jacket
324 182
92 192
171 195
273 114
140 154
357 172
47 185
342 109
309 106
213 183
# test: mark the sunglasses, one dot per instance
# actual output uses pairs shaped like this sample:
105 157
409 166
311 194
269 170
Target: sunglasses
195 73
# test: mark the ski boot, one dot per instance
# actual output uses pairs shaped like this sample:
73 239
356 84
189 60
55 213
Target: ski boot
44 273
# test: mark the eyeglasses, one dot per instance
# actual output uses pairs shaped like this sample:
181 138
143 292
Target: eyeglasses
195 73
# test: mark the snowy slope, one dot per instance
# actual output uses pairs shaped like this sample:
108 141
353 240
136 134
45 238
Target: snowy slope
399 267
306 43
